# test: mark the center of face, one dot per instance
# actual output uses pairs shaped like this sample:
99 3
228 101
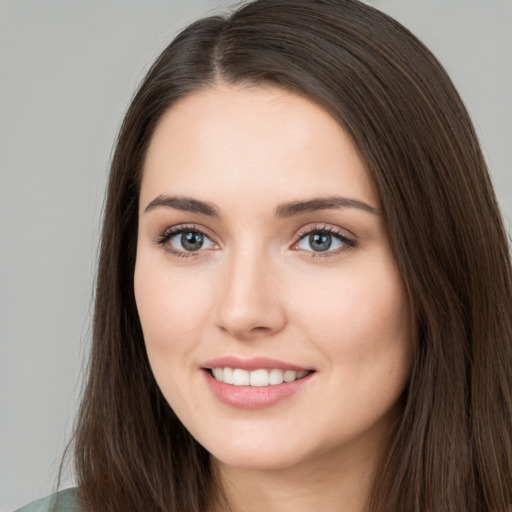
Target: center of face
265 284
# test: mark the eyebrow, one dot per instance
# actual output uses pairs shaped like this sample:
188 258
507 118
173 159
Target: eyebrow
322 203
291 209
185 204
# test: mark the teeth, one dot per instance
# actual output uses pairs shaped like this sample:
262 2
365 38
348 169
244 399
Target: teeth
218 373
240 377
227 375
275 376
257 378
289 376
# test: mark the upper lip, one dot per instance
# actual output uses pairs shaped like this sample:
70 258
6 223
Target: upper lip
253 363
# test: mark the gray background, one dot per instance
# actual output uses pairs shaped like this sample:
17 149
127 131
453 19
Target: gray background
67 71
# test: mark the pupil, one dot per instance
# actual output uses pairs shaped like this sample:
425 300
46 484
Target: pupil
191 241
320 241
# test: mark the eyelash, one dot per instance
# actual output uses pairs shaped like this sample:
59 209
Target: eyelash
348 242
163 239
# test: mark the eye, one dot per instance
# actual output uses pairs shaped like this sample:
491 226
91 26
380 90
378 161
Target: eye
184 241
190 241
323 240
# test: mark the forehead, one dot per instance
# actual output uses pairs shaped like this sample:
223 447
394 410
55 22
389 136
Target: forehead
253 140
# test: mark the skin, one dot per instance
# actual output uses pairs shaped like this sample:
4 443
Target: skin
257 288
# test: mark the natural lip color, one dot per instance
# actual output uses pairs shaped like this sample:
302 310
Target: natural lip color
252 397
254 363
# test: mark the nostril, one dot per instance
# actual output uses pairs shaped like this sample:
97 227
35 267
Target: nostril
260 329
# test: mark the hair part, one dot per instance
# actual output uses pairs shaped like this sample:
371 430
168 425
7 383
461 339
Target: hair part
452 449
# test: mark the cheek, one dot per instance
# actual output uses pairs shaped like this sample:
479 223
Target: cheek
171 309
171 312
358 315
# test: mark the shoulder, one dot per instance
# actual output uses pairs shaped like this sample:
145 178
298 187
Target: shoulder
63 501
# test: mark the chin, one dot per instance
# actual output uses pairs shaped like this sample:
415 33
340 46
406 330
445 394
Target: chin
258 461
269 453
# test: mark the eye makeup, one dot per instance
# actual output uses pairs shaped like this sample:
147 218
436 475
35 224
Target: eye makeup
192 238
317 240
324 241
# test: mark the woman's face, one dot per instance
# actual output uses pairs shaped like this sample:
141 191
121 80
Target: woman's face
274 316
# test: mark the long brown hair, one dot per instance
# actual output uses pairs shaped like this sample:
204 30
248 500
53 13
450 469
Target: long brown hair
452 449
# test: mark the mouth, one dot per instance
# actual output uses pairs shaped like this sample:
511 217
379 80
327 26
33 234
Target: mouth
255 383
261 377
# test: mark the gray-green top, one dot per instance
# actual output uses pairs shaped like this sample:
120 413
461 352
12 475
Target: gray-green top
63 501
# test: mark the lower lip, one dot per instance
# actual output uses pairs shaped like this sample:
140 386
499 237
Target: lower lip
253 397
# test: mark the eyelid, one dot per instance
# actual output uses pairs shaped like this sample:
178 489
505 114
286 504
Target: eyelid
349 240
169 232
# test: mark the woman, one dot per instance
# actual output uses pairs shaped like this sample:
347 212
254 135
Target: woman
304 287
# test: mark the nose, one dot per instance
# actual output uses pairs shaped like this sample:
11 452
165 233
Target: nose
250 305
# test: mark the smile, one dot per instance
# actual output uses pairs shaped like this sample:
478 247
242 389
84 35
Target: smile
255 383
257 378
